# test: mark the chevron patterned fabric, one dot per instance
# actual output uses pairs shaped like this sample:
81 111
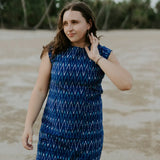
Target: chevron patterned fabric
72 122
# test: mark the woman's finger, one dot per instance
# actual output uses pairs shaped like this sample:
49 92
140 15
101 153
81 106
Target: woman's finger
29 143
30 139
94 39
25 142
87 49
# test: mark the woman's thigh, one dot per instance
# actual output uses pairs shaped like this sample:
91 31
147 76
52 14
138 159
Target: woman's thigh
52 147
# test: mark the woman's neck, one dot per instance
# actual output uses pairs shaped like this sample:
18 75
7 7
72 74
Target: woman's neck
81 45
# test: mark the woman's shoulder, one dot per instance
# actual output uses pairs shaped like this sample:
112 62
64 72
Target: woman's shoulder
104 51
104 48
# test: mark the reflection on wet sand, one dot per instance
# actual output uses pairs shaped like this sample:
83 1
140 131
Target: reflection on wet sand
131 118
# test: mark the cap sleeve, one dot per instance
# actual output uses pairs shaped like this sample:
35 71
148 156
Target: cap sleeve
104 51
50 56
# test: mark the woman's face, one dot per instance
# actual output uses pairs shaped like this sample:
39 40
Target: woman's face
75 27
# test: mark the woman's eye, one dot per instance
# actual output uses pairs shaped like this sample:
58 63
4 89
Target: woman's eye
74 22
65 23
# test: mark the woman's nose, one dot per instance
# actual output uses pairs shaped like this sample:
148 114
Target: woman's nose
70 26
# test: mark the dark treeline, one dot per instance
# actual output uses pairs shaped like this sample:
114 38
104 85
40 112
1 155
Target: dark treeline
42 14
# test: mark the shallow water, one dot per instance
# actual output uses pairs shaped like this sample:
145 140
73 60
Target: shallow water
131 118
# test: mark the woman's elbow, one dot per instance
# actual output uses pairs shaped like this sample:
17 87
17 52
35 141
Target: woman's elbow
126 86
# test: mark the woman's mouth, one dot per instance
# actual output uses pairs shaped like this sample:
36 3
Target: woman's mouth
71 34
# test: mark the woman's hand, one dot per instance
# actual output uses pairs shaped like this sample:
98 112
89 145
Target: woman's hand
93 53
27 138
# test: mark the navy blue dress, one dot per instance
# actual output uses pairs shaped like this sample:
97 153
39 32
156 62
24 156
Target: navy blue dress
72 123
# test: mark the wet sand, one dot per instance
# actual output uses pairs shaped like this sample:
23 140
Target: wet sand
131 119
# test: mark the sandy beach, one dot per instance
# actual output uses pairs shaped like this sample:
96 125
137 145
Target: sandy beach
131 119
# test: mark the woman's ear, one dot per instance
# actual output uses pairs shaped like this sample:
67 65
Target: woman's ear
89 24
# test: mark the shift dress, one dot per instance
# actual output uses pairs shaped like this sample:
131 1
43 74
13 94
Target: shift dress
72 122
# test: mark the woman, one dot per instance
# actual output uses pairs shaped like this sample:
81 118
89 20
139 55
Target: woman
72 68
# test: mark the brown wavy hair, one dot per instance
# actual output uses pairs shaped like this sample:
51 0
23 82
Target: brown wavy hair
61 42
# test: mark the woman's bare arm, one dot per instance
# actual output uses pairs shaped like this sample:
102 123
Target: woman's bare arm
117 74
38 96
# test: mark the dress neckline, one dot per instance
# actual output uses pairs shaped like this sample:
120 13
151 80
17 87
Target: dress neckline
82 48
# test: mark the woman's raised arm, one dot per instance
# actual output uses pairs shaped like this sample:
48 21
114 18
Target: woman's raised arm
115 72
